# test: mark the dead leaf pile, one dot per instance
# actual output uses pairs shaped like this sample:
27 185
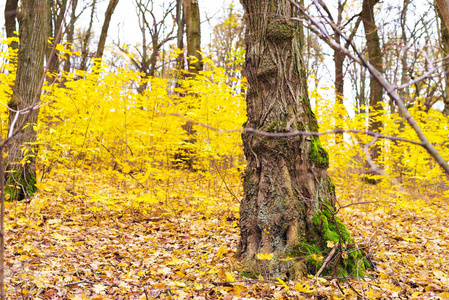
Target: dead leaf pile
91 239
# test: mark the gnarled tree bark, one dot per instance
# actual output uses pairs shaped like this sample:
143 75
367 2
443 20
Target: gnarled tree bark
289 199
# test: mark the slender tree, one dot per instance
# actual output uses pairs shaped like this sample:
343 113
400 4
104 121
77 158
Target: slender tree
375 59
33 33
10 20
289 200
85 39
445 47
104 30
58 9
180 24
71 33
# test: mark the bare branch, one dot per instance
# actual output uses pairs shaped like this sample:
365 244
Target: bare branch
390 88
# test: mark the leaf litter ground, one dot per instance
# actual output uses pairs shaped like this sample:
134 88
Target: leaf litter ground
95 238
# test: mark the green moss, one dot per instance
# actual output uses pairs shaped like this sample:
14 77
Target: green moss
309 253
318 155
279 30
331 229
331 186
247 274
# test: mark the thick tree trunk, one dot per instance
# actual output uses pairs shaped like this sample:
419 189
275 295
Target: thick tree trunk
289 200
104 30
375 59
193 33
21 163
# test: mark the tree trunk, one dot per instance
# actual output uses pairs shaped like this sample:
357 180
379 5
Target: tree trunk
443 7
195 62
375 59
104 30
180 36
445 46
289 200
21 160
85 40
193 33
70 34
57 16
10 20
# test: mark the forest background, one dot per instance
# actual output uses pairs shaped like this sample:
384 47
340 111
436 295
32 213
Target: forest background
139 164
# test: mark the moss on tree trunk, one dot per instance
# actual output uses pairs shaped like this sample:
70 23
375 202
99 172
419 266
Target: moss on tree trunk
33 33
289 200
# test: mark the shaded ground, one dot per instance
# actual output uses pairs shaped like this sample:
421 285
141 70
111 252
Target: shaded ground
99 238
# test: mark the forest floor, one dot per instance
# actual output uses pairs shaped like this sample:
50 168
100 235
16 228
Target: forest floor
90 239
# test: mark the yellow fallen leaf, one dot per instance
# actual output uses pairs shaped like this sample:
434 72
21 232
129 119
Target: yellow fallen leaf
304 288
330 244
59 237
220 253
265 256
286 259
317 258
229 277
283 283
180 284
416 294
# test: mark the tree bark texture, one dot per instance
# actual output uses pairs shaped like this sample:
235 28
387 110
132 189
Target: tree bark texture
193 34
104 30
289 199
443 7
375 59
34 21
445 46
10 20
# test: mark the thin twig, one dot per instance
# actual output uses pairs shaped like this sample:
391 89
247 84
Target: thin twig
81 282
327 260
296 133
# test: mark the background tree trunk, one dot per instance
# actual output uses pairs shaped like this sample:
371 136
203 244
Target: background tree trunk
20 163
57 16
70 34
288 203
10 20
193 33
195 62
179 37
104 30
375 59
86 38
445 47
